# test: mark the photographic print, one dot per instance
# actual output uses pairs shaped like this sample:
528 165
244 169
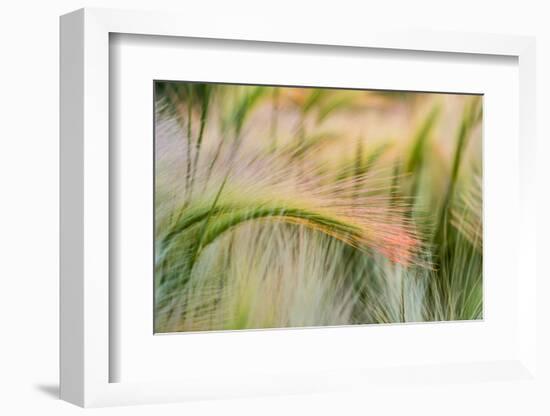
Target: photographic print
281 207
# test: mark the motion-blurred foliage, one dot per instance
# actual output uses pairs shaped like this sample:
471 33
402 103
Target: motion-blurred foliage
285 207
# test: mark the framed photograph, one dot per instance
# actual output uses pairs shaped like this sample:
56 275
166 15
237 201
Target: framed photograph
281 212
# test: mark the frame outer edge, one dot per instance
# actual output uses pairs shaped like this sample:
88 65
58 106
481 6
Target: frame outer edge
71 202
528 206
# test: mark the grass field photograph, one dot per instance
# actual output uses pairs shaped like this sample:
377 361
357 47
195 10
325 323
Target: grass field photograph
285 207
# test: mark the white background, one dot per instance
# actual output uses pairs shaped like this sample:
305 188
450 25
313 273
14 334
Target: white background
29 209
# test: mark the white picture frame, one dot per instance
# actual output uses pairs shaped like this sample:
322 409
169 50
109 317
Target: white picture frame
85 221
